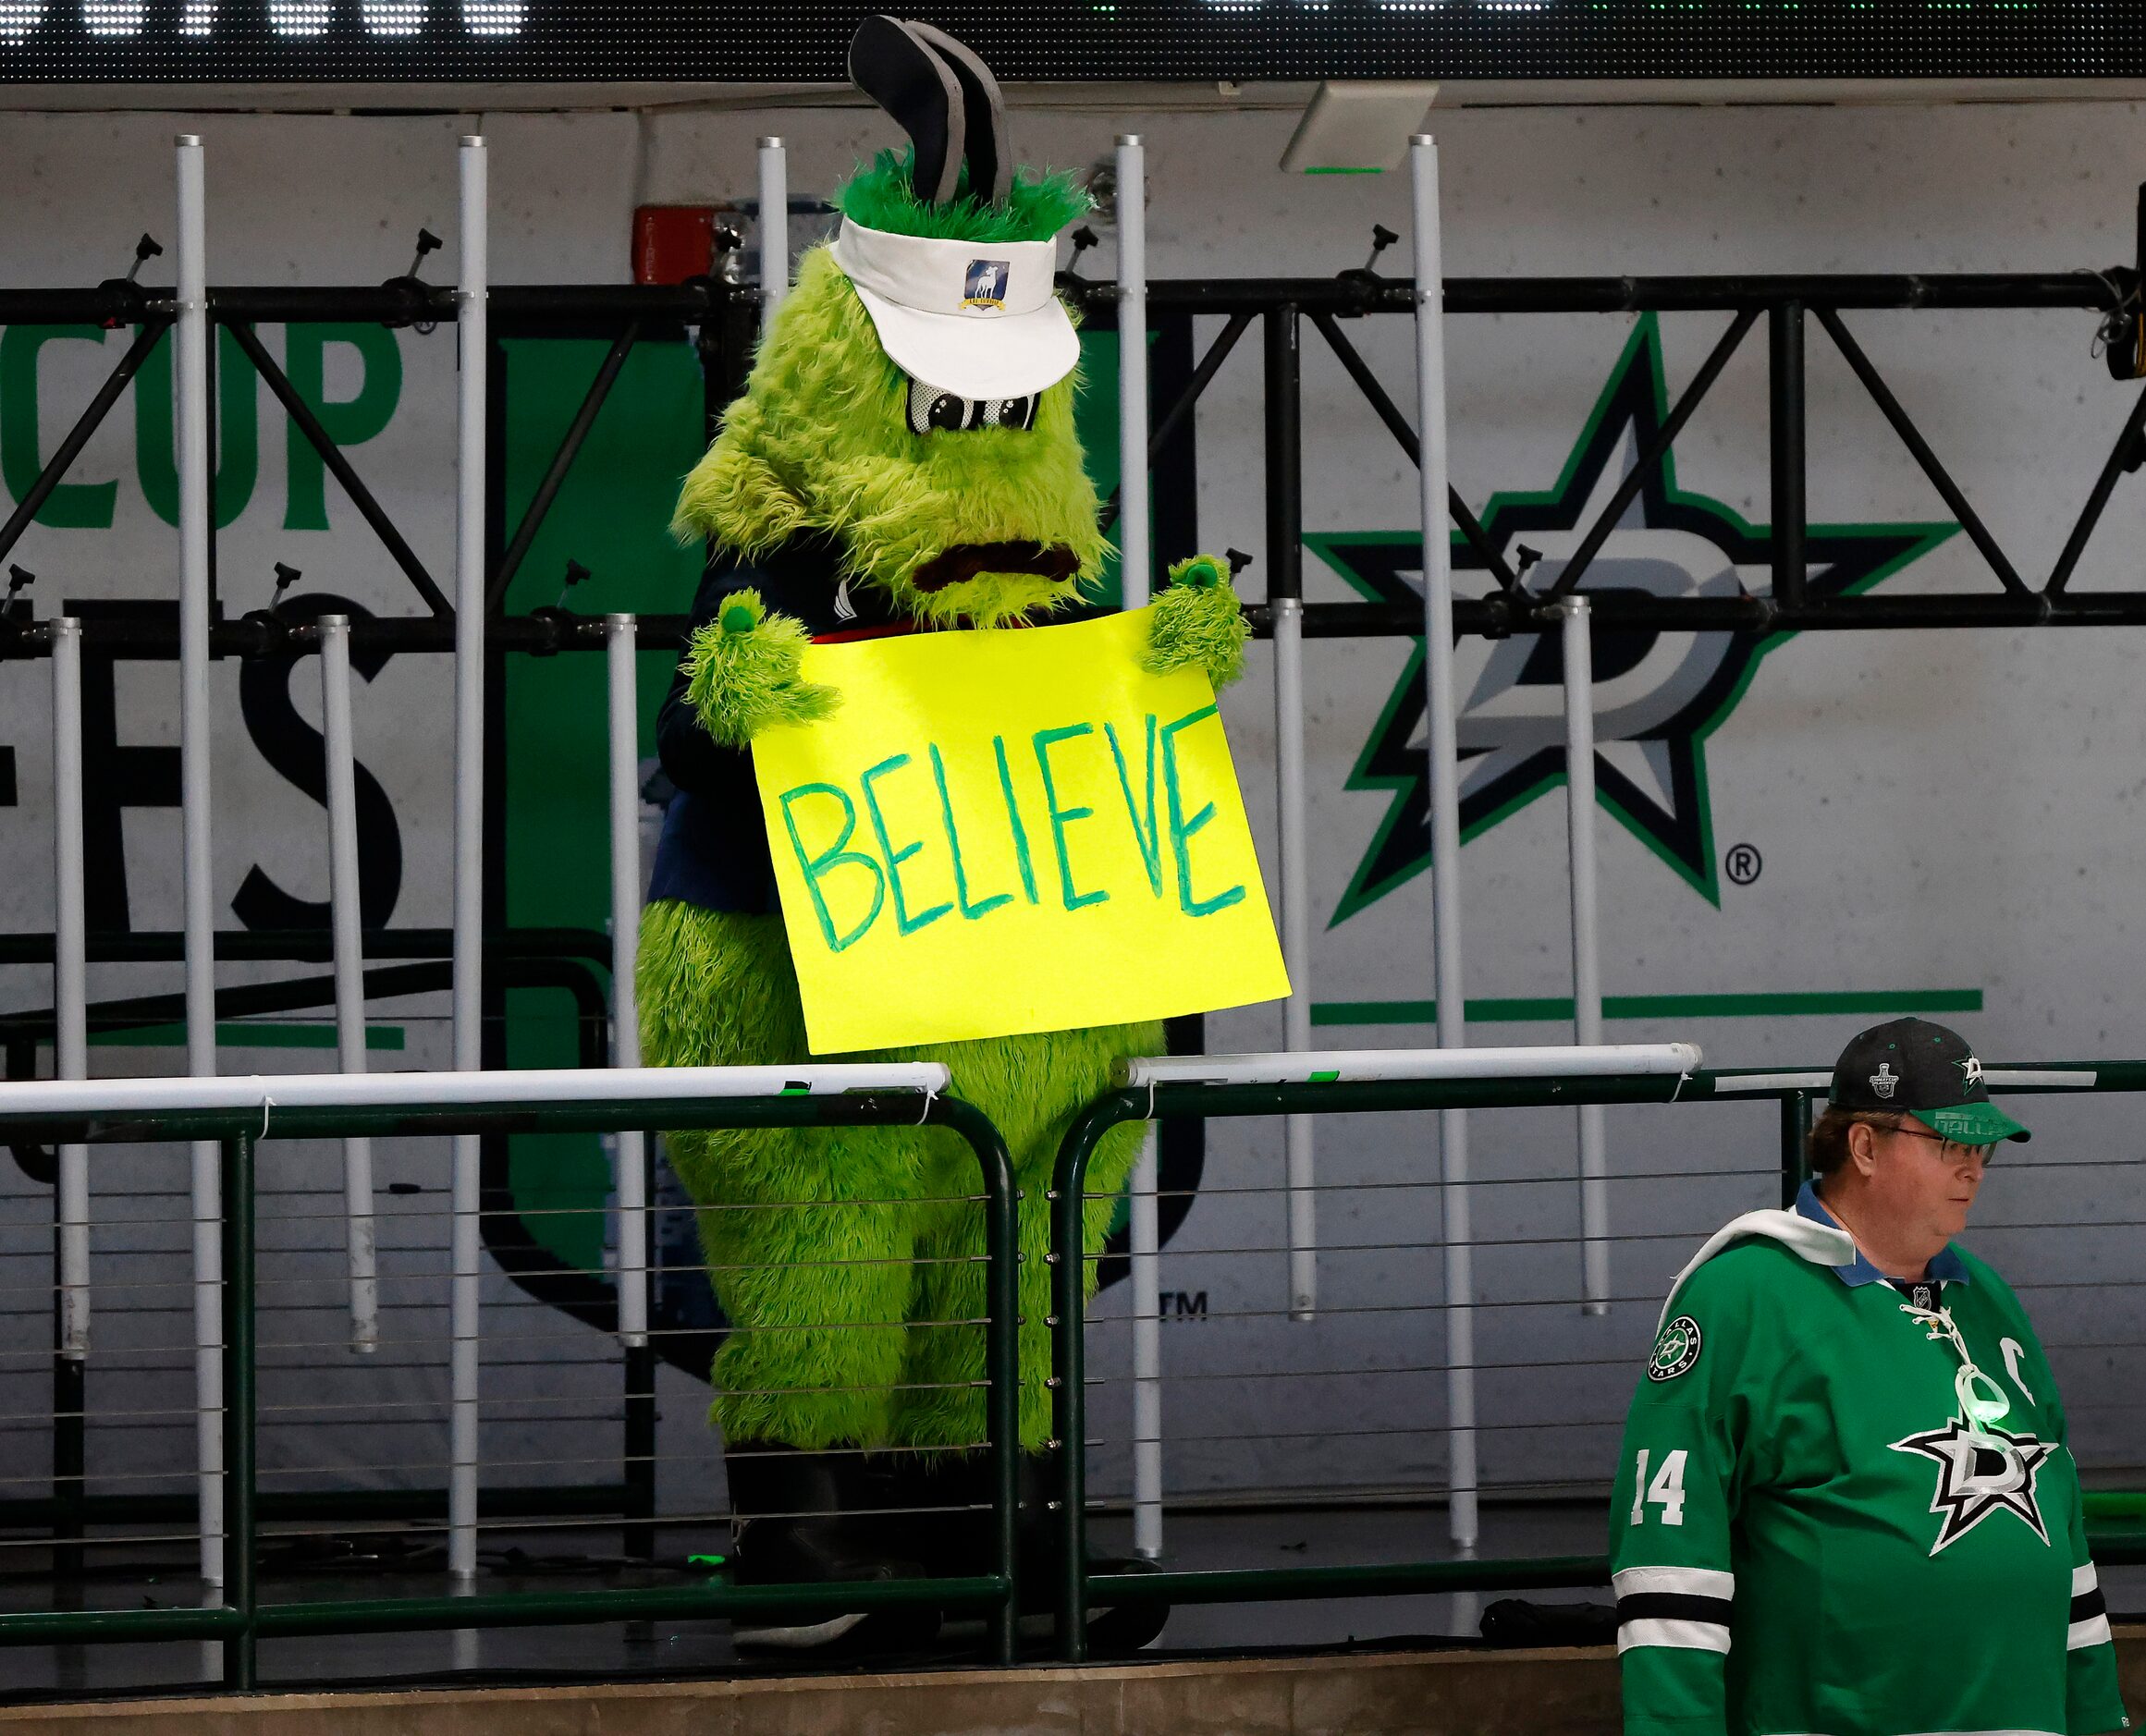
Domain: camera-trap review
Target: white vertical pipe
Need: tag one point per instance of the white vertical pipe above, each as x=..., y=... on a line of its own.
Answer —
x=468, y=915
x=1586, y=951
x=1442, y=708
x=1146, y=1231
x=1296, y=1129
x=344, y=916
x=630, y=1147
x=1136, y=570
x=70, y=974
x=1136, y=561
x=773, y=227
x=195, y=750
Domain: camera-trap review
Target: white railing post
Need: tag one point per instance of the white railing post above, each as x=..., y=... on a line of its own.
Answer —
x=1586, y=952
x=1290, y=803
x=70, y=995
x=1442, y=711
x=1136, y=581
x=773, y=227
x=469, y=907
x=193, y=389
x=346, y=923
x=631, y=1147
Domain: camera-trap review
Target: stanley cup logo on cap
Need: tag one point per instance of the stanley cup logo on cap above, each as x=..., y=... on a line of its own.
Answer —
x=985, y=284
x=1912, y=1064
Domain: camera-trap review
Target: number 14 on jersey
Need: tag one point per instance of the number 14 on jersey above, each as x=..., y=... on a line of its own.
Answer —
x=1666, y=1491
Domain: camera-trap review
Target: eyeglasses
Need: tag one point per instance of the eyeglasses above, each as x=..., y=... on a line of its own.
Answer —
x=1953, y=1151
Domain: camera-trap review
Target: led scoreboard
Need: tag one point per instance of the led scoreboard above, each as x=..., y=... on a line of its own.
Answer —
x=733, y=40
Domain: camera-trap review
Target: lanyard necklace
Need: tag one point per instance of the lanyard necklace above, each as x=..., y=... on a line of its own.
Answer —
x=1982, y=1401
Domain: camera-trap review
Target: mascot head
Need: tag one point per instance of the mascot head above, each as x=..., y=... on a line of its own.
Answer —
x=912, y=400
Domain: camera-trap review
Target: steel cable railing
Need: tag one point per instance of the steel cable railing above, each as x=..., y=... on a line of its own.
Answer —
x=235, y=1114
x=140, y=1510
x=1286, y=1090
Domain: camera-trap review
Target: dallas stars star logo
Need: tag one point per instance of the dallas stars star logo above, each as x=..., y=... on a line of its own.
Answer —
x=1658, y=696
x=1981, y=1474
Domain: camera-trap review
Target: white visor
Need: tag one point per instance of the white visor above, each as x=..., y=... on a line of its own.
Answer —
x=978, y=319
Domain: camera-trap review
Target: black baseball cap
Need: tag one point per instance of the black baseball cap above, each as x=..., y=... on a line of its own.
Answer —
x=1912, y=1065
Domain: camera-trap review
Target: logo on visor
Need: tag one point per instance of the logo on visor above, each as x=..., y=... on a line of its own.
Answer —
x=985, y=284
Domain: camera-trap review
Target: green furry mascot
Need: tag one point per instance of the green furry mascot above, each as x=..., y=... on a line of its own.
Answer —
x=903, y=459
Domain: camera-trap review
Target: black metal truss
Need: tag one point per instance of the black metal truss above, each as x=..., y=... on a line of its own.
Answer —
x=723, y=316
x=1786, y=303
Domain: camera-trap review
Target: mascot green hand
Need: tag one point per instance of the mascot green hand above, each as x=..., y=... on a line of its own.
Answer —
x=903, y=459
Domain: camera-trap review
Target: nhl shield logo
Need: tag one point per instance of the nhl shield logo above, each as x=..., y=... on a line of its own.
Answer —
x=985, y=286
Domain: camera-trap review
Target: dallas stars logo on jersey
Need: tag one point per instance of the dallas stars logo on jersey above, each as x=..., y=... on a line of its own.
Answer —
x=1980, y=1473
x=1675, y=1349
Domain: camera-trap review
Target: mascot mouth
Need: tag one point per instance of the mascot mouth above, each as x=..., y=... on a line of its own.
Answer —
x=965, y=560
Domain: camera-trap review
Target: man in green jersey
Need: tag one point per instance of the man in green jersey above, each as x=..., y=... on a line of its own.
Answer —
x=1845, y=1505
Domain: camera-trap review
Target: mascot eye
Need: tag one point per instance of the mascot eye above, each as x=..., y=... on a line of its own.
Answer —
x=1009, y=412
x=934, y=411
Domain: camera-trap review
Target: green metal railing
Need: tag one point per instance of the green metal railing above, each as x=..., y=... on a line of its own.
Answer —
x=241, y=1620
x=1078, y=1590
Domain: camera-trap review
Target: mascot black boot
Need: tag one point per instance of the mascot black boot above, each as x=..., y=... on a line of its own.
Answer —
x=939, y=1510
x=813, y=1519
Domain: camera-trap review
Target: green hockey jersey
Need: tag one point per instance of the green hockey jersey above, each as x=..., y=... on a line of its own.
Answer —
x=1822, y=1528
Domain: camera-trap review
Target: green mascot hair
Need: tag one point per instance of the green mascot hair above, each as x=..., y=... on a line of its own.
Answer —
x=878, y=196
x=820, y=441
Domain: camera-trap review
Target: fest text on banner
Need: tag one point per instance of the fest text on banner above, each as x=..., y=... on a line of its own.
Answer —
x=999, y=832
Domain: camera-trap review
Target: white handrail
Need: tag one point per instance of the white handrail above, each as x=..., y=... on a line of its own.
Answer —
x=1363, y=1066
x=1758, y=1084
x=269, y=1092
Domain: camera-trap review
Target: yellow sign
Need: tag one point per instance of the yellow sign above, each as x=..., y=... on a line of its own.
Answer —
x=1009, y=831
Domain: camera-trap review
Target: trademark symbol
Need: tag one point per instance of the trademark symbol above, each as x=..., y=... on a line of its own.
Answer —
x=1743, y=863
x=1184, y=1305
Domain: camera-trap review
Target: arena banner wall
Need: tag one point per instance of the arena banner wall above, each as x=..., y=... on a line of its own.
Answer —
x=1800, y=836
